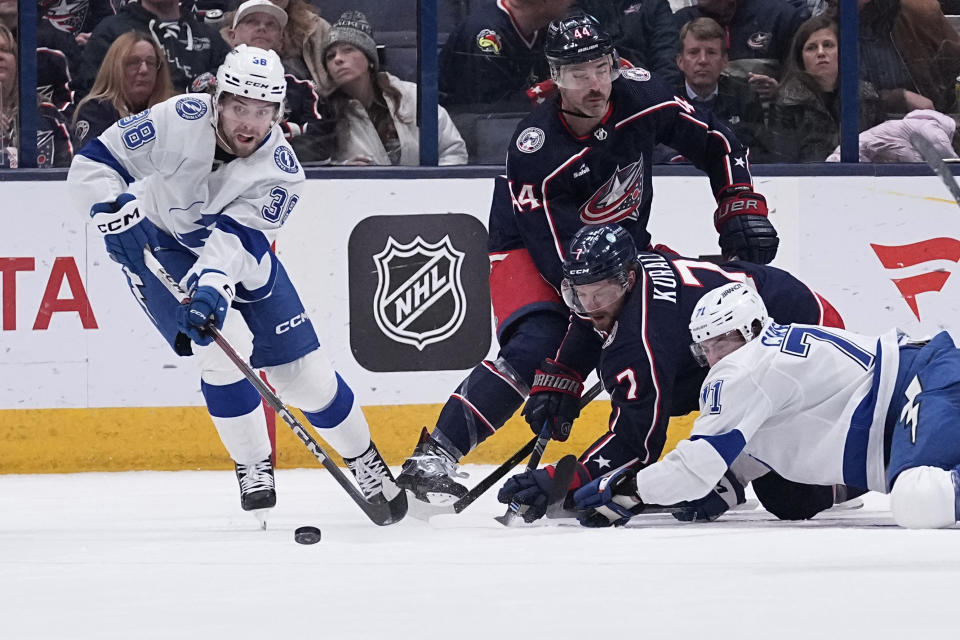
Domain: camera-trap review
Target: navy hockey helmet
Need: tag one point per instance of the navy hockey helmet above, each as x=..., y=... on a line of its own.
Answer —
x=597, y=254
x=577, y=38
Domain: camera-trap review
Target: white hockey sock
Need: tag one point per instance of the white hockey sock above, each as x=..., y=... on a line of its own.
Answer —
x=245, y=437
x=352, y=436
x=924, y=498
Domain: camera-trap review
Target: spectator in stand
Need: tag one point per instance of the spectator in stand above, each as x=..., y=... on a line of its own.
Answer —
x=75, y=17
x=702, y=59
x=759, y=33
x=491, y=60
x=643, y=31
x=53, y=139
x=890, y=141
x=302, y=47
x=805, y=118
x=910, y=53
x=374, y=111
x=191, y=47
x=307, y=122
x=134, y=76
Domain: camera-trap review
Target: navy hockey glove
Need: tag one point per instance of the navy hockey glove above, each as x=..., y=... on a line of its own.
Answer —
x=609, y=500
x=126, y=231
x=727, y=494
x=742, y=221
x=209, y=300
x=531, y=489
x=554, y=398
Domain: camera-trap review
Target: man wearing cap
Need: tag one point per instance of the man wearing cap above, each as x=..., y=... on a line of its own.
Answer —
x=307, y=123
x=192, y=47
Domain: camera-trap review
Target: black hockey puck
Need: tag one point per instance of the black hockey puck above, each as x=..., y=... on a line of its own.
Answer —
x=307, y=535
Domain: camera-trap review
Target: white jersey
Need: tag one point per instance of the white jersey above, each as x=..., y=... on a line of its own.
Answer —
x=165, y=156
x=808, y=402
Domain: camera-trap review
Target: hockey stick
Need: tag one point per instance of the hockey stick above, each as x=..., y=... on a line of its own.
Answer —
x=513, y=509
x=935, y=161
x=380, y=513
x=524, y=451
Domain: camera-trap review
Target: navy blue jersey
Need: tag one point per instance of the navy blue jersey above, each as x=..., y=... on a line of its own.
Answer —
x=646, y=363
x=561, y=182
x=488, y=63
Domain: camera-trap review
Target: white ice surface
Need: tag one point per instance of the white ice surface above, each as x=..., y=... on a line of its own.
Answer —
x=170, y=555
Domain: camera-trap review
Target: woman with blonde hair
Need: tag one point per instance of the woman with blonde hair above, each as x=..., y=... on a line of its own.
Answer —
x=133, y=76
x=375, y=112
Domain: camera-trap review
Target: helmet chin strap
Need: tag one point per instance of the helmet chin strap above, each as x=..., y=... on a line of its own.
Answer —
x=576, y=114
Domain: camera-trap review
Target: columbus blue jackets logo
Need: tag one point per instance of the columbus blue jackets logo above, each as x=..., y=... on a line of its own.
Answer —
x=191, y=108
x=760, y=41
x=285, y=159
x=405, y=309
x=489, y=41
x=618, y=198
x=635, y=73
x=530, y=139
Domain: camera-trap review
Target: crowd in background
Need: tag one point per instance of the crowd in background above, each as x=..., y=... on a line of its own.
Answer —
x=770, y=68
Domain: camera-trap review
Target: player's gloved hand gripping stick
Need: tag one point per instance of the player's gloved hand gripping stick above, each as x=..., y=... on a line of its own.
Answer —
x=540, y=443
x=380, y=513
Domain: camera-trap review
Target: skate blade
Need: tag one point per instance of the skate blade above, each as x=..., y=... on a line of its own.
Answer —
x=261, y=516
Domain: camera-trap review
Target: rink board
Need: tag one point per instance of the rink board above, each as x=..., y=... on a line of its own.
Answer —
x=86, y=383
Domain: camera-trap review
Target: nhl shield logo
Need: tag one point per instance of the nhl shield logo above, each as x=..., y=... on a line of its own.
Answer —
x=420, y=298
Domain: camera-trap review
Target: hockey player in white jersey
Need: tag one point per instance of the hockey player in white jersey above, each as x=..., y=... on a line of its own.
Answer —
x=816, y=405
x=206, y=182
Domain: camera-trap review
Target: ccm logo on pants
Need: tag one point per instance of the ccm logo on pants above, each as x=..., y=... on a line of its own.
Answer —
x=292, y=323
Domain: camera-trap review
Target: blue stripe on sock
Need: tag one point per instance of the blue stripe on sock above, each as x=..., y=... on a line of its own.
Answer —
x=232, y=400
x=337, y=411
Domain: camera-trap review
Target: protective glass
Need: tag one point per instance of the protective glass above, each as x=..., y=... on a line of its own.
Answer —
x=587, y=75
x=587, y=298
x=716, y=347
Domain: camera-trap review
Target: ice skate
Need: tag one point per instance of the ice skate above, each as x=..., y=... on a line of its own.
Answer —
x=374, y=477
x=257, y=489
x=429, y=473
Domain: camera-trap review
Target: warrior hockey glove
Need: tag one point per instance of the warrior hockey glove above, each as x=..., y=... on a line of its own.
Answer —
x=745, y=230
x=210, y=297
x=727, y=494
x=531, y=489
x=609, y=500
x=126, y=231
x=554, y=399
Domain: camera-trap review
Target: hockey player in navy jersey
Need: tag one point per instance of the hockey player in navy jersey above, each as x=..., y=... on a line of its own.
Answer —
x=629, y=320
x=583, y=158
x=207, y=182
x=816, y=405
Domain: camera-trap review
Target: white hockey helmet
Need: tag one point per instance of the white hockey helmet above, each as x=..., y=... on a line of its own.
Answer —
x=734, y=307
x=252, y=72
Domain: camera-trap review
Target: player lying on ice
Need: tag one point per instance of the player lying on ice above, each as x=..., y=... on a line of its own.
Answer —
x=206, y=182
x=816, y=405
x=630, y=311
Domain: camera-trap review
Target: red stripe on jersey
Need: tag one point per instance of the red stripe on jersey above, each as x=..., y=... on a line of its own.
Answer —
x=474, y=410
x=546, y=198
x=653, y=372
x=648, y=110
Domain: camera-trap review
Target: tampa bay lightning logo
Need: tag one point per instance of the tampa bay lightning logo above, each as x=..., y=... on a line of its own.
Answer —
x=285, y=159
x=191, y=108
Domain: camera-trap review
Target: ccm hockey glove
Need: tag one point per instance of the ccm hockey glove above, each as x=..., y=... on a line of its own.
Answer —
x=609, y=500
x=554, y=398
x=126, y=231
x=210, y=297
x=742, y=221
